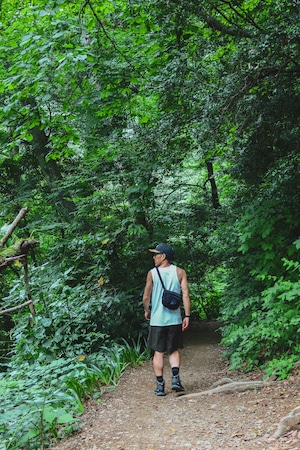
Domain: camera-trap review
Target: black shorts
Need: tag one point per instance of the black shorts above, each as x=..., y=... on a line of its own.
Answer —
x=165, y=339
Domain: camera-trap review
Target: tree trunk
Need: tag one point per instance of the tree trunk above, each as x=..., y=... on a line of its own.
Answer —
x=212, y=181
x=50, y=168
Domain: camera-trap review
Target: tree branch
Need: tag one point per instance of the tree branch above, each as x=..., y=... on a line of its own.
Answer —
x=246, y=15
x=89, y=3
x=216, y=25
x=9, y=232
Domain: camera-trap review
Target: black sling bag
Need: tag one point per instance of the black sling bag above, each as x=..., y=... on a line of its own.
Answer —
x=170, y=299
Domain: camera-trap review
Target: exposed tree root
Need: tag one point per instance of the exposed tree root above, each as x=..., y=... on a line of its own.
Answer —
x=287, y=423
x=228, y=387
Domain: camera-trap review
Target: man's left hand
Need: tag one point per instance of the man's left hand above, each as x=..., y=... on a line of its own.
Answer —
x=185, y=323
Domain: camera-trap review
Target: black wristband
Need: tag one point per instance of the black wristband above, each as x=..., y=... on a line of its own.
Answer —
x=187, y=316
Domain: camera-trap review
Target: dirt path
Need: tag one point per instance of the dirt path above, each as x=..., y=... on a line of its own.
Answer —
x=131, y=417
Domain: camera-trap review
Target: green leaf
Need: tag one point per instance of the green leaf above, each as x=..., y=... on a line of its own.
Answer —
x=49, y=415
x=65, y=418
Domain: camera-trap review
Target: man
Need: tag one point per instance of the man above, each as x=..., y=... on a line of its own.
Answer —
x=166, y=326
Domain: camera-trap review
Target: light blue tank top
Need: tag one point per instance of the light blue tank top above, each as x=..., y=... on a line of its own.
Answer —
x=161, y=316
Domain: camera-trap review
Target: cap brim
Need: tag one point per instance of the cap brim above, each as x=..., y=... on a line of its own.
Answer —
x=153, y=250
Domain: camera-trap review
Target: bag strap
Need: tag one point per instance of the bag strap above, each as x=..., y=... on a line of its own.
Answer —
x=160, y=278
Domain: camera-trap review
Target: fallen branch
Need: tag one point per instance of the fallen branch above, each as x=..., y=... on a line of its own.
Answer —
x=13, y=225
x=17, y=251
x=11, y=260
x=235, y=386
x=15, y=308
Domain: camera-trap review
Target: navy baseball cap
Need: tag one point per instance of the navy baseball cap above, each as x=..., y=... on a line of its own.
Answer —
x=163, y=248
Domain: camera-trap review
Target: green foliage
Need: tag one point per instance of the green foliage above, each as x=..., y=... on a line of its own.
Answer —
x=72, y=320
x=34, y=408
x=43, y=401
x=282, y=366
x=270, y=331
x=112, y=113
x=206, y=296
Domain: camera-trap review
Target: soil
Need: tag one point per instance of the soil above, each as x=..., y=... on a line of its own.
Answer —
x=131, y=417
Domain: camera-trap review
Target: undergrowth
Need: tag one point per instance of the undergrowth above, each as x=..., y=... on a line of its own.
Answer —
x=42, y=402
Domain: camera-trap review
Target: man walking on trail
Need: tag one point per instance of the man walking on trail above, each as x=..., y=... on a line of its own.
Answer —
x=166, y=325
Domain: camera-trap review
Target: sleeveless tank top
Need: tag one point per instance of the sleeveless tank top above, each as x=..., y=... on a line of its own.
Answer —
x=161, y=316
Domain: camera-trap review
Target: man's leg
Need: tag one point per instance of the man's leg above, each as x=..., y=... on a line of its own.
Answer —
x=174, y=360
x=158, y=363
x=158, y=366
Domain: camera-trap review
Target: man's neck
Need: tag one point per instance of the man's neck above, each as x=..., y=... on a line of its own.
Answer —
x=164, y=264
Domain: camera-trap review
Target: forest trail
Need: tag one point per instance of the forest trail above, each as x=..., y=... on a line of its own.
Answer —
x=131, y=417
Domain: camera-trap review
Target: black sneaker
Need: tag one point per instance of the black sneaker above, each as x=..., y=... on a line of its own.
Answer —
x=160, y=389
x=176, y=385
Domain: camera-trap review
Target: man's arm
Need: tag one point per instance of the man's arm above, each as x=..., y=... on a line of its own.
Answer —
x=185, y=297
x=147, y=295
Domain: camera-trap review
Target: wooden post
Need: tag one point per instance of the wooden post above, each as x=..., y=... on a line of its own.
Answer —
x=27, y=288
